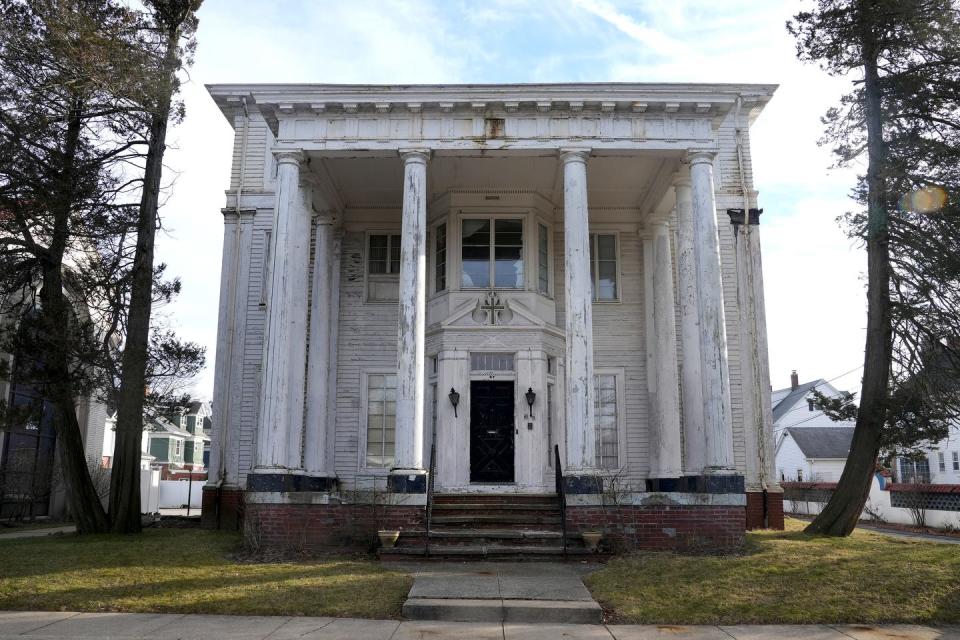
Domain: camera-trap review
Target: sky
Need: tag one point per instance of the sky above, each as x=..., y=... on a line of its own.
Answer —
x=813, y=274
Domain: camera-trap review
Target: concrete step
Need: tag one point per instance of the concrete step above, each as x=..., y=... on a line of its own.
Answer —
x=468, y=610
x=489, y=552
x=500, y=534
x=487, y=507
x=513, y=518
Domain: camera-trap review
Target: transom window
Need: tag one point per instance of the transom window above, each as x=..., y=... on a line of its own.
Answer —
x=603, y=265
x=491, y=361
x=492, y=253
x=381, y=420
x=606, y=418
x=383, y=254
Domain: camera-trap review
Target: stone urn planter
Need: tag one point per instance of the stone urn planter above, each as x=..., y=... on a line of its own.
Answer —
x=591, y=539
x=388, y=538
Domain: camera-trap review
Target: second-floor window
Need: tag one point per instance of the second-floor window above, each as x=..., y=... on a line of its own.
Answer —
x=492, y=253
x=603, y=265
x=383, y=255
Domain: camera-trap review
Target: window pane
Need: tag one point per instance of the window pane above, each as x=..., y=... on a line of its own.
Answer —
x=475, y=253
x=377, y=257
x=605, y=417
x=440, y=260
x=508, y=253
x=381, y=420
x=606, y=247
x=543, y=251
x=394, y=254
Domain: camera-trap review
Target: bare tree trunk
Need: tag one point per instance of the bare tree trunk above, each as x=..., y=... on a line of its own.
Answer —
x=842, y=513
x=125, y=481
x=82, y=498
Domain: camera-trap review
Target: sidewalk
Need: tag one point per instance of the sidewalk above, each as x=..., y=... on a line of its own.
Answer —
x=134, y=626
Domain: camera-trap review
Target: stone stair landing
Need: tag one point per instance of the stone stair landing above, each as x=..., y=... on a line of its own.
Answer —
x=490, y=526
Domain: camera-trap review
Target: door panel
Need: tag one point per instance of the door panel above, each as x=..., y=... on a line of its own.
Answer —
x=491, y=431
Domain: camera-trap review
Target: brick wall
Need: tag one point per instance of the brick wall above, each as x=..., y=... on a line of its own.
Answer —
x=312, y=528
x=755, y=511
x=221, y=508
x=681, y=528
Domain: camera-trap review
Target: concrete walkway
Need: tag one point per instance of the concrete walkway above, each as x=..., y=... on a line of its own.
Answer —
x=136, y=626
x=36, y=533
x=532, y=592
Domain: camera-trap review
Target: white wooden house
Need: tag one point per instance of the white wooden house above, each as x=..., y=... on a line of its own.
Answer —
x=510, y=276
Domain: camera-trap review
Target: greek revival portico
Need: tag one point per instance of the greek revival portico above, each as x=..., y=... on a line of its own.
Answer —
x=640, y=160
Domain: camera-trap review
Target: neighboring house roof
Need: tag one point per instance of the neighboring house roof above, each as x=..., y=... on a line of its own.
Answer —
x=165, y=427
x=790, y=397
x=822, y=442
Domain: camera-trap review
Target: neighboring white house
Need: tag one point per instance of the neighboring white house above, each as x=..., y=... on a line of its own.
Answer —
x=941, y=464
x=809, y=445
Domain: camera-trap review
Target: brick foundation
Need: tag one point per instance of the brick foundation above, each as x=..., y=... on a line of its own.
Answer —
x=755, y=511
x=222, y=508
x=310, y=528
x=680, y=528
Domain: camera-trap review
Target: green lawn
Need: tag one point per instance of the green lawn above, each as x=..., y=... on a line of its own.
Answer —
x=788, y=577
x=188, y=571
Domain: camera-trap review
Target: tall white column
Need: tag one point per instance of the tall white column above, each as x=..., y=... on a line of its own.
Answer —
x=718, y=428
x=581, y=430
x=665, y=452
x=280, y=427
x=412, y=315
x=334, y=350
x=754, y=368
x=225, y=332
x=319, y=364
x=694, y=438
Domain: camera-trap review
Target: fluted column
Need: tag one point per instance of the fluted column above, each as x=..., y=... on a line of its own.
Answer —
x=718, y=428
x=411, y=325
x=581, y=430
x=691, y=384
x=319, y=363
x=280, y=426
x=665, y=455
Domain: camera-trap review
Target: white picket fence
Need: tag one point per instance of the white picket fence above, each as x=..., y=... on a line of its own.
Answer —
x=173, y=493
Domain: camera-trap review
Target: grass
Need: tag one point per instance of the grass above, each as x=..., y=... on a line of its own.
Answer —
x=188, y=571
x=788, y=577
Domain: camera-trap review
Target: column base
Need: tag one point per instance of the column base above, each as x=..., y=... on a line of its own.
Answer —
x=764, y=510
x=583, y=484
x=407, y=481
x=222, y=507
x=705, y=483
x=289, y=482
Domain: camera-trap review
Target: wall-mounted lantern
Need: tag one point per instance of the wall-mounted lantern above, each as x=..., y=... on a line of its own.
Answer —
x=454, y=400
x=531, y=398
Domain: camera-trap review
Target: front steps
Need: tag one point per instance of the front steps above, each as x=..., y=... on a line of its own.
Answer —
x=491, y=527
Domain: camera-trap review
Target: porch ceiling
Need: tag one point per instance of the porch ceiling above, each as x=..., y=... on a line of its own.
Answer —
x=637, y=181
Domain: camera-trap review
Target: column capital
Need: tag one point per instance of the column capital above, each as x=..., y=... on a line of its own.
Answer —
x=418, y=156
x=700, y=157
x=574, y=154
x=288, y=156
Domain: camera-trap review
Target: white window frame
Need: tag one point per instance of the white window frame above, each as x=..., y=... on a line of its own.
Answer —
x=941, y=462
x=956, y=460
x=432, y=262
x=524, y=217
x=595, y=267
x=378, y=277
x=362, y=429
x=618, y=373
x=537, y=222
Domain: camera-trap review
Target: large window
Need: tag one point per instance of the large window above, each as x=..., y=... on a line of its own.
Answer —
x=440, y=259
x=383, y=255
x=492, y=253
x=956, y=461
x=606, y=420
x=543, y=257
x=913, y=472
x=603, y=265
x=381, y=419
